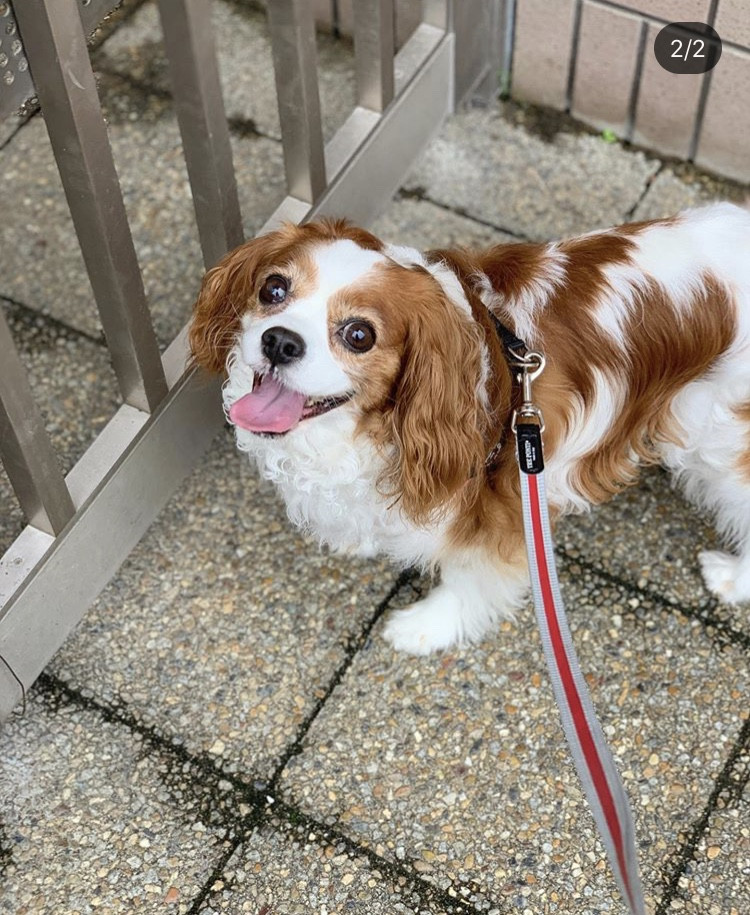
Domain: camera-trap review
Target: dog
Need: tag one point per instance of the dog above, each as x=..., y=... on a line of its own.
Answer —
x=371, y=385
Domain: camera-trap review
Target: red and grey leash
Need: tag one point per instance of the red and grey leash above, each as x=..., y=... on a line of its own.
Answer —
x=588, y=746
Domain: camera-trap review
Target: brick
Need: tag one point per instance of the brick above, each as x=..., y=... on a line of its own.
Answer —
x=606, y=67
x=724, y=144
x=541, y=53
x=733, y=21
x=667, y=105
x=673, y=10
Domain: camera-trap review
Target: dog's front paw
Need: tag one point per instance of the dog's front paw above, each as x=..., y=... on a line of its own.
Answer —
x=423, y=628
x=726, y=576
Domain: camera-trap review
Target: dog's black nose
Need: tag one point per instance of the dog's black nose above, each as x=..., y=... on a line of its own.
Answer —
x=281, y=346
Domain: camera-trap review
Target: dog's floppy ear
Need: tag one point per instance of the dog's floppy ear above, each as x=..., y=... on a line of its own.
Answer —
x=438, y=418
x=224, y=297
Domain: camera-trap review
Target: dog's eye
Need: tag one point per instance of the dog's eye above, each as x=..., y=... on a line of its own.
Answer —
x=358, y=336
x=274, y=290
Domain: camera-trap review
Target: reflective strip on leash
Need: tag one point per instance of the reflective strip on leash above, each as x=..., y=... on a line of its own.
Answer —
x=593, y=759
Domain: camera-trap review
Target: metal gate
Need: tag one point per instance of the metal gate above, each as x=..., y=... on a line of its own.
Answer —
x=82, y=526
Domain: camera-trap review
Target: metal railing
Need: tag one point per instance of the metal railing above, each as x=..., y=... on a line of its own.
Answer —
x=82, y=526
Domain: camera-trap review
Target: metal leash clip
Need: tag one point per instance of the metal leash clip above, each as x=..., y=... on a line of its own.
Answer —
x=531, y=366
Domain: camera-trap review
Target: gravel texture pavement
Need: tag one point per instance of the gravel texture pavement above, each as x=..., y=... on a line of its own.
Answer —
x=226, y=731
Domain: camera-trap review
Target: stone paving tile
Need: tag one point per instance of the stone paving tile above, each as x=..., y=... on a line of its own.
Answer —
x=457, y=764
x=93, y=821
x=713, y=874
x=671, y=192
x=225, y=625
x=294, y=875
x=245, y=63
x=42, y=263
x=74, y=386
x=423, y=225
x=649, y=535
x=516, y=180
x=718, y=881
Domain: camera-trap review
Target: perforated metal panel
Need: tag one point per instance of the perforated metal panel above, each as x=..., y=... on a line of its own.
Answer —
x=15, y=80
x=16, y=85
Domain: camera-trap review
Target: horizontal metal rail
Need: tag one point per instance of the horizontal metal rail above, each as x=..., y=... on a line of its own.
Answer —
x=139, y=459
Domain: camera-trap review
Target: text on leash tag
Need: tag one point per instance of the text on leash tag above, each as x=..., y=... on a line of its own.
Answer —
x=529, y=440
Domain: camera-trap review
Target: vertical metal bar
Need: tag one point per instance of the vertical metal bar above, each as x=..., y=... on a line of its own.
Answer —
x=203, y=125
x=25, y=448
x=374, y=50
x=508, y=20
x=635, y=88
x=703, y=97
x=573, y=62
x=292, y=30
x=56, y=47
x=499, y=23
x=476, y=25
x=438, y=13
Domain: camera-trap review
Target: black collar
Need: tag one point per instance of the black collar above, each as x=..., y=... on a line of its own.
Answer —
x=514, y=346
x=514, y=350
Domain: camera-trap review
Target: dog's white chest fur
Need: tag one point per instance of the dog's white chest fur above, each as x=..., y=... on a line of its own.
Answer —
x=328, y=479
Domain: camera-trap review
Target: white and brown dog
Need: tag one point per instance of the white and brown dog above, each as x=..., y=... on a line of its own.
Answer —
x=370, y=384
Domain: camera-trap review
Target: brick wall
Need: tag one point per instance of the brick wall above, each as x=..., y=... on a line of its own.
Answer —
x=594, y=58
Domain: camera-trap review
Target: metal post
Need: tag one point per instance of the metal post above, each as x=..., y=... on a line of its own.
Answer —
x=295, y=66
x=438, y=13
x=478, y=26
x=373, y=47
x=25, y=448
x=205, y=135
x=56, y=47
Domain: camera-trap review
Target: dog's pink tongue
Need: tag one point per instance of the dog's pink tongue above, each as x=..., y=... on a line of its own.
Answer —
x=269, y=408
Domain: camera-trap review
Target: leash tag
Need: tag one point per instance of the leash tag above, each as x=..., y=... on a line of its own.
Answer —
x=529, y=442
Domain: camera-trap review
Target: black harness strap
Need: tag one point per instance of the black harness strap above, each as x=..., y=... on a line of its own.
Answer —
x=514, y=349
x=513, y=345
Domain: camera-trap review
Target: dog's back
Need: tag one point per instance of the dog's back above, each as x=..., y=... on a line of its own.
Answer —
x=646, y=330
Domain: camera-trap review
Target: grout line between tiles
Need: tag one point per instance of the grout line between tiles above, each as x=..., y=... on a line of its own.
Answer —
x=419, y=193
x=353, y=647
x=216, y=874
x=29, y=313
x=21, y=124
x=644, y=193
x=687, y=851
x=719, y=631
x=201, y=771
x=266, y=806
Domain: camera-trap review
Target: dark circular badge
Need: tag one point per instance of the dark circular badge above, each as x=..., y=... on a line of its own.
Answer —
x=688, y=47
